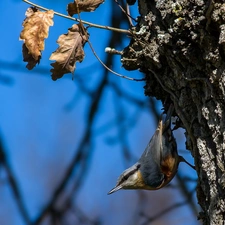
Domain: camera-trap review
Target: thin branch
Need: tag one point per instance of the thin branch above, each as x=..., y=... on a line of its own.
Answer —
x=117, y=74
x=78, y=20
x=113, y=51
x=126, y=13
x=92, y=25
x=93, y=51
x=129, y=18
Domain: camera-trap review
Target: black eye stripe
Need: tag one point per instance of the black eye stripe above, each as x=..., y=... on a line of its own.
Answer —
x=126, y=175
x=123, y=178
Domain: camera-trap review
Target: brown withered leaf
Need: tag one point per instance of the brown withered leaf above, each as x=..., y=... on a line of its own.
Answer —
x=31, y=62
x=36, y=28
x=69, y=51
x=83, y=6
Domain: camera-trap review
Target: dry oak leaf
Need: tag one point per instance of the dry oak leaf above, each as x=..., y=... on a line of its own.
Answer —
x=69, y=51
x=83, y=6
x=36, y=28
x=31, y=62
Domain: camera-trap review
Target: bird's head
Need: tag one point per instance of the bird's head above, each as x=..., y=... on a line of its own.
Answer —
x=131, y=178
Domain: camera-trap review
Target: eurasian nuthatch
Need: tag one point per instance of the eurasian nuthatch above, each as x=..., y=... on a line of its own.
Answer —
x=157, y=165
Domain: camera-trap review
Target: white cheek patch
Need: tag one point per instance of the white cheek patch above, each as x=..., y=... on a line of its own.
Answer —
x=134, y=177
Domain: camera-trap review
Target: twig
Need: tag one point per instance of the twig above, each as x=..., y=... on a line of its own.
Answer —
x=91, y=25
x=113, y=51
x=130, y=18
x=117, y=74
x=78, y=20
x=92, y=49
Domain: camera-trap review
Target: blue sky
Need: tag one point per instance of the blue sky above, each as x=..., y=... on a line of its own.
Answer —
x=42, y=123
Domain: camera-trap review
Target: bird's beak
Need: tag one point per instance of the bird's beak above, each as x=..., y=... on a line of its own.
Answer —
x=117, y=188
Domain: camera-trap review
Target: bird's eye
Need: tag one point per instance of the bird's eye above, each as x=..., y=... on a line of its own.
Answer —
x=124, y=178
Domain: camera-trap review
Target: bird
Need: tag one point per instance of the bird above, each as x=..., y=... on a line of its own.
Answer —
x=159, y=162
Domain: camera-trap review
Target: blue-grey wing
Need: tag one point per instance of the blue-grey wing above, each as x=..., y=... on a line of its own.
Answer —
x=153, y=151
x=150, y=160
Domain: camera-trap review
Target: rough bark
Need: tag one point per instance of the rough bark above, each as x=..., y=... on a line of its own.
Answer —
x=180, y=47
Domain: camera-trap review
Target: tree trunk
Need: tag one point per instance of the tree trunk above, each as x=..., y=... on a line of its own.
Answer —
x=180, y=47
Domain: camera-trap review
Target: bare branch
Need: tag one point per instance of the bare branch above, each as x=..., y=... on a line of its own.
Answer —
x=115, y=73
x=78, y=20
